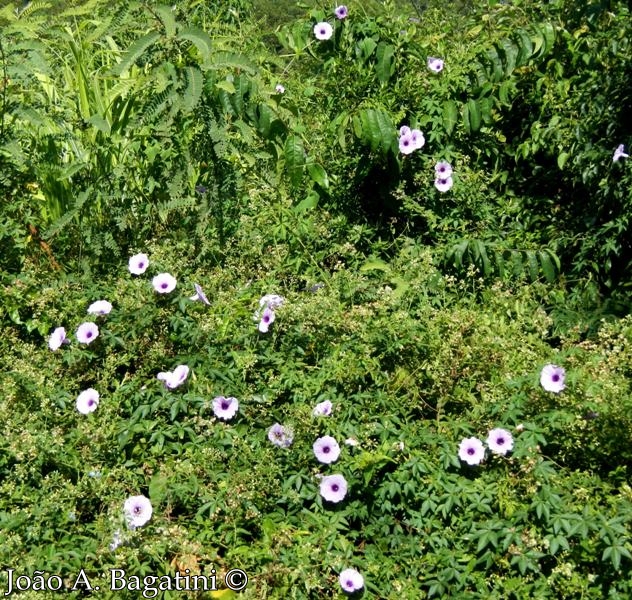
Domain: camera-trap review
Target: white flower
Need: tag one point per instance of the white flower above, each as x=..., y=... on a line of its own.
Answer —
x=138, y=264
x=326, y=450
x=164, y=283
x=443, y=169
x=500, y=441
x=279, y=89
x=100, y=307
x=57, y=338
x=271, y=301
x=471, y=451
x=267, y=318
x=352, y=442
x=323, y=409
x=87, y=332
x=406, y=143
x=552, y=378
x=225, y=408
x=87, y=401
x=619, y=153
x=175, y=378
x=333, y=488
x=435, y=64
x=323, y=30
x=138, y=511
x=351, y=581
x=443, y=184
x=199, y=295
x=418, y=139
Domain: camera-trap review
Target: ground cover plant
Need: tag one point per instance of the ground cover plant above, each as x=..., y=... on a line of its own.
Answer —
x=316, y=296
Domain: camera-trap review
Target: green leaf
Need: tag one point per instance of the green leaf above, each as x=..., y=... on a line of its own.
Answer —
x=375, y=264
x=472, y=116
x=165, y=14
x=158, y=487
x=294, y=153
x=450, y=115
x=135, y=51
x=318, y=175
x=199, y=38
x=561, y=159
x=385, y=62
x=193, y=91
x=311, y=201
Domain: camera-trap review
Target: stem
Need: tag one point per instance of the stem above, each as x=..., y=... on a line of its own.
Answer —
x=5, y=85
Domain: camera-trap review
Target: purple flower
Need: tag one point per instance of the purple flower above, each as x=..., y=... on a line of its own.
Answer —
x=418, y=139
x=100, y=307
x=323, y=409
x=443, y=169
x=351, y=581
x=225, y=408
x=271, y=301
x=87, y=401
x=341, y=12
x=57, y=338
x=619, y=153
x=280, y=436
x=164, y=283
x=333, y=488
x=435, y=64
x=138, y=264
x=138, y=511
x=404, y=130
x=199, y=295
x=175, y=378
x=279, y=89
x=500, y=441
x=471, y=451
x=406, y=143
x=552, y=378
x=326, y=450
x=87, y=332
x=267, y=318
x=443, y=184
x=323, y=30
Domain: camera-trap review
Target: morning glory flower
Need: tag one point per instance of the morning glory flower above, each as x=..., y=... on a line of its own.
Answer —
x=326, y=450
x=100, y=307
x=87, y=332
x=87, y=401
x=333, y=488
x=619, y=153
x=443, y=184
x=116, y=540
x=404, y=130
x=552, y=378
x=352, y=442
x=280, y=436
x=225, y=408
x=175, y=378
x=435, y=64
x=57, y=338
x=323, y=409
x=323, y=30
x=164, y=283
x=138, y=264
x=351, y=581
x=407, y=143
x=418, y=138
x=267, y=318
x=279, y=89
x=138, y=511
x=500, y=441
x=443, y=169
x=471, y=451
x=271, y=301
x=199, y=295
x=341, y=12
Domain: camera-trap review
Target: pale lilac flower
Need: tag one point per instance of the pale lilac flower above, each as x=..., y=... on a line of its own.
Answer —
x=175, y=378
x=404, y=130
x=500, y=441
x=280, y=436
x=443, y=184
x=87, y=332
x=138, y=511
x=57, y=338
x=435, y=64
x=116, y=540
x=199, y=295
x=164, y=283
x=323, y=409
x=406, y=143
x=552, y=378
x=225, y=408
x=100, y=307
x=333, y=488
x=351, y=581
x=341, y=12
x=326, y=450
x=271, y=301
x=443, y=169
x=267, y=318
x=87, y=401
x=352, y=442
x=471, y=450
x=418, y=139
x=619, y=153
x=138, y=264
x=279, y=89
x=323, y=30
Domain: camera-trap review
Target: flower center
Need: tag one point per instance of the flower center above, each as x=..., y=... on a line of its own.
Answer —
x=89, y=334
x=335, y=487
x=470, y=451
x=163, y=286
x=138, y=510
x=225, y=405
x=555, y=377
x=326, y=449
x=91, y=402
x=500, y=441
